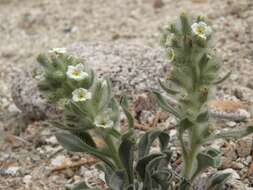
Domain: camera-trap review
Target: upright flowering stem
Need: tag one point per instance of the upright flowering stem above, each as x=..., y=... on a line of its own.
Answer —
x=194, y=73
x=189, y=82
x=91, y=111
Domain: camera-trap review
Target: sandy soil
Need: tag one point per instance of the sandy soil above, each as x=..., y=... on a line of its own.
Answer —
x=29, y=27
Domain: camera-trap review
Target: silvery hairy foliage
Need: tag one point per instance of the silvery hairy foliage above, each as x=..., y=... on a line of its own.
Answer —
x=91, y=122
x=195, y=73
x=91, y=125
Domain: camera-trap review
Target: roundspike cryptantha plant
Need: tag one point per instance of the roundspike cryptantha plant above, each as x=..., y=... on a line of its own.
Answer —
x=91, y=125
x=91, y=113
x=194, y=73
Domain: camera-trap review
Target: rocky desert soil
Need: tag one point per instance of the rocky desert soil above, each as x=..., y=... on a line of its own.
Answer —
x=30, y=157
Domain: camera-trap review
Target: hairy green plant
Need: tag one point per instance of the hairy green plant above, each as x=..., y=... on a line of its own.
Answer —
x=194, y=73
x=150, y=172
x=91, y=113
x=62, y=74
x=91, y=122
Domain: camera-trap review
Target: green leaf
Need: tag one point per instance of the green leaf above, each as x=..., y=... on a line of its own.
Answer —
x=185, y=124
x=195, y=76
x=149, y=182
x=86, y=137
x=81, y=109
x=106, y=170
x=204, y=161
x=75, y=144
x=209, y=158
x=147, y=140
x=126, y=154
x=203, y=117
x=166, y=88
x=132, y=187
x=232, y=134
x=113, y=132
x=117, y=180
x=217, y=181
x=223, y=78
x=165, y=106
x=143, y=162
x=186, y=29
x=163, y=177
x=115, y=111
x=43, y=60
x=101, y=95
x=200, y=18
x=124, y=105
x=66, y=127
x=184, y=185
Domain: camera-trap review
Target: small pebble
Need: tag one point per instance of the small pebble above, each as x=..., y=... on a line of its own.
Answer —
x=27, y=179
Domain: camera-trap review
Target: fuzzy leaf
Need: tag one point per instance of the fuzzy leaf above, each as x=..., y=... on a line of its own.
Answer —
x=75, y=144
x=217, y=181
x=81, y=109
x=143, y=162
x=232, y=134
x=204, y=161
x=163, y=177
x=97, y=97
x=117, y=180
x=147, y=140
x=184, y=125
x=186, y=29
x=124, y=105
x=223, y=78
x=209, y=158
x=127, y=158
x=86, y=137
x=203, y=117
x=106, y=170
x=167, y=89
x=184, y=185
x=115, y=111
x=66, y=127
x=165, y=106
x=43, y=60
x=113, y=132
x=149, y=182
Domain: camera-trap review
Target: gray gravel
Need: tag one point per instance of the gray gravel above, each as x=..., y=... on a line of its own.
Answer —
x=30, y=27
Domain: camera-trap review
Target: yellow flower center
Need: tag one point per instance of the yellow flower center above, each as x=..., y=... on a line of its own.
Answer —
x=76, y=73
x=200, y=30
x=81, y=95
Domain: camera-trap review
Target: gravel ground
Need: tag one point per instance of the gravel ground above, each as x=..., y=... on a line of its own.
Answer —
x=29, y=27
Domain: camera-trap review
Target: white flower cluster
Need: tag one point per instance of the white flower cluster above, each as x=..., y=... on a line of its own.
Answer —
x=201, y=29
x=77, y=72
x=103, y=121
x=58, y=50
x=80, y=95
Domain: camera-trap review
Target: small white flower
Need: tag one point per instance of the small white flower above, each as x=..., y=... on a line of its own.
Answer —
x=201, y=29
x=80, y=95
x=58, y=50
x=103, y=121
x=76, y=72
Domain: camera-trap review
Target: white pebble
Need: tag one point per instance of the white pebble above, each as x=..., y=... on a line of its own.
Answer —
x=58, y=160
x=27, y=179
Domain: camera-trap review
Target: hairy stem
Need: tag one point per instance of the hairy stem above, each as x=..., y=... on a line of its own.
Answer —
x=113, y=150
